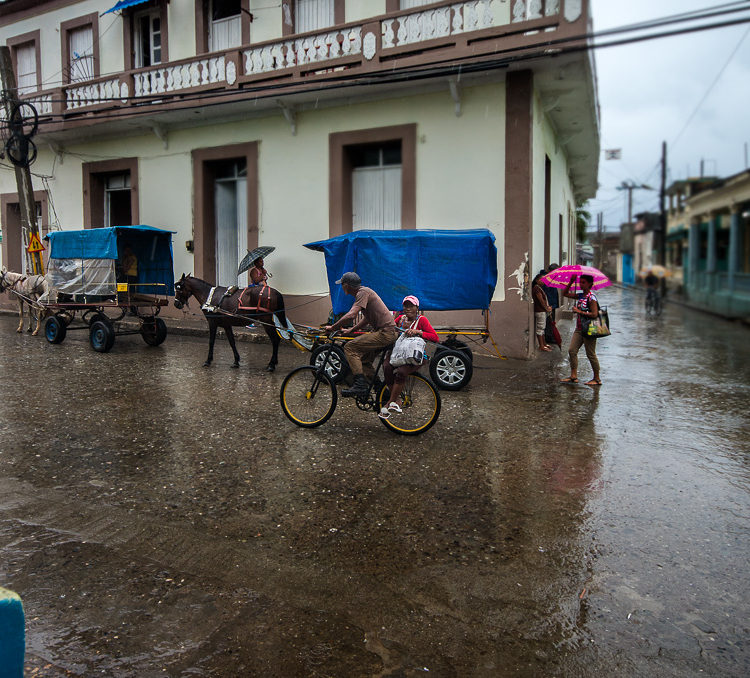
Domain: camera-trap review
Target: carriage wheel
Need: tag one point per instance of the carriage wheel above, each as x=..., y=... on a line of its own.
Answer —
x=420, y=406
x=154, y=331
x=457, y=345
x=450, y=370
x=337, y=367
x=101, y=336
x=55, y=329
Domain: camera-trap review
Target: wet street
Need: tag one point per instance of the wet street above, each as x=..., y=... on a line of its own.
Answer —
x=159, y=518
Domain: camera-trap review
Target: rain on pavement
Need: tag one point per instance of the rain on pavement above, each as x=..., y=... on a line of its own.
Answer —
x=161, y=518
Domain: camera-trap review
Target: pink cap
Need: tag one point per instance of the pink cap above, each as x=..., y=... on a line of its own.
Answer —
x=412, y=299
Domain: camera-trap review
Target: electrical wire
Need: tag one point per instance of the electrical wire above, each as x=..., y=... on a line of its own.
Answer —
x=710, y=88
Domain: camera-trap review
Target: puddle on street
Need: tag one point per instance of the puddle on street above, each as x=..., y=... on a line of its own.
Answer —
x=159, y=518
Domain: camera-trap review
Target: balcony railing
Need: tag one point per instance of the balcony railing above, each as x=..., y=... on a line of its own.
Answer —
x=469, y=28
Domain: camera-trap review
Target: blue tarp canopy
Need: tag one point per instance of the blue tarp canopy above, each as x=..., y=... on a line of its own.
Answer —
x=123, y=4
x=152, y=246
x=446, y=269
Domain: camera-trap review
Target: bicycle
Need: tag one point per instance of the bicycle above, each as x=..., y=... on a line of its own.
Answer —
x=309, y=396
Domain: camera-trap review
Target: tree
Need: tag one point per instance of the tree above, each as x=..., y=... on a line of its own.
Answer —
x=583, y=220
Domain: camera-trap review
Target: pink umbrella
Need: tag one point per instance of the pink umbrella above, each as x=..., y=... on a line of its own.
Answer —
x=561, y=276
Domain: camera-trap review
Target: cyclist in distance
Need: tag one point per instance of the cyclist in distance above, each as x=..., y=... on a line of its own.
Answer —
x=652, y=290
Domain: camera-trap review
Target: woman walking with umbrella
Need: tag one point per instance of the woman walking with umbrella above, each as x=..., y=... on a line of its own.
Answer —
x=586, y=306
x=579, y=282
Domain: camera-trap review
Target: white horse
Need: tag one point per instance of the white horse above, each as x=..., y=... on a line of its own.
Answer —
x=27, y=290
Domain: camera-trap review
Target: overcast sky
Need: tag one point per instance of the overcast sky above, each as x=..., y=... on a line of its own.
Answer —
x=647, y=93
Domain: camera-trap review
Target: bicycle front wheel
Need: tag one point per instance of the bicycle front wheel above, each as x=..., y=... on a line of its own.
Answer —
x=420, y=404
x=308, y=396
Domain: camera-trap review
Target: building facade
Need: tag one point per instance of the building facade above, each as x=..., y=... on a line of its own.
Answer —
x=708, y=243
x=239, y=123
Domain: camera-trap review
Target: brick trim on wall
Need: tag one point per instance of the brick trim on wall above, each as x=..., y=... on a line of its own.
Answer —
x=65, y=28
x=128, y=30
x=519, y=133
x=93, y=189
x=204, y=227
x=12, y=236
x=25, y=39
x=340, y=173
x=288, y=15
x=202, y=22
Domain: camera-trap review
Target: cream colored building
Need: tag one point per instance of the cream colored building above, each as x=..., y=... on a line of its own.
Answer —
x=243, y=122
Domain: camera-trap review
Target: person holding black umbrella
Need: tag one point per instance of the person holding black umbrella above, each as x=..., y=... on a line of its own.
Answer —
x=258, y=274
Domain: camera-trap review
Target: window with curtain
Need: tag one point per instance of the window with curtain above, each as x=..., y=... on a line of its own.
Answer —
x=408, y=4
x=26, y=77
x=376, y=185
x=81, y=43
x=225, y=26
x=313, y=15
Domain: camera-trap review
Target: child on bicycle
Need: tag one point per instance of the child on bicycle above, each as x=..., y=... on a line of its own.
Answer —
x=415, y=325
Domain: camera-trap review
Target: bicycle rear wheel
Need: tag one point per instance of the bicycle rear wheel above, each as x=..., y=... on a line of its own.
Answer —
x=420, y=403
x=308, y=396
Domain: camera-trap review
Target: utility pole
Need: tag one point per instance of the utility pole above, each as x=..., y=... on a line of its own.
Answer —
x=599, y=235
x=663, y=206
x=23, y=174
x=630, y=186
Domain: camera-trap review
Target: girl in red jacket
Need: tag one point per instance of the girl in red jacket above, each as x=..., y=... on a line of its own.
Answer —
x=416, y=326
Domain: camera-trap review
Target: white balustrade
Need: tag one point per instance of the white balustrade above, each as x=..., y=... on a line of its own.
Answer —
x=165, y=78
x=306, y=50
x=406, y=29
x=460, y=17
x=42, y=103
x=92, y=94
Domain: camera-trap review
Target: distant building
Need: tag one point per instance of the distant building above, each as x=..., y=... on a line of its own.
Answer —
x=625, y=269
x=646, y=241
x=606, y=250
x=708, y=243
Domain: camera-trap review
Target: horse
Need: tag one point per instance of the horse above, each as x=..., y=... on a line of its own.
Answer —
x=223, y=310
x=28, y=290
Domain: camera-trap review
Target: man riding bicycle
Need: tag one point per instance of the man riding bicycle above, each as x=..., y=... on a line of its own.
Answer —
x=361, y=350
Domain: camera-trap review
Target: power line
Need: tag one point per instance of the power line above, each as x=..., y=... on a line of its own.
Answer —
x=710, y=88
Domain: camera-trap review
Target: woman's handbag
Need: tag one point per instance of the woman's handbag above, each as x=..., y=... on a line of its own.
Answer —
x=599, y=326
x=408, y=350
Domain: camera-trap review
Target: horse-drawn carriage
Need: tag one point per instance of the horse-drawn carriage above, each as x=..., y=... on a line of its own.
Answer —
x=92, y=278
x=446, y=269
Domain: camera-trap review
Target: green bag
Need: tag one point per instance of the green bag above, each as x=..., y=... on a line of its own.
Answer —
x=598, y=327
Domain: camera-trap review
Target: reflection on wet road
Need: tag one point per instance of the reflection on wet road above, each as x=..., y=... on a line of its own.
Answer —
x=159, y=518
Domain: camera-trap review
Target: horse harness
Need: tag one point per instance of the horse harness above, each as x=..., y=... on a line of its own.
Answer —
x=262, y=306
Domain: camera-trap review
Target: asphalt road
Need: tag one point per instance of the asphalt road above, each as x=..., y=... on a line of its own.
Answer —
x=161, y=518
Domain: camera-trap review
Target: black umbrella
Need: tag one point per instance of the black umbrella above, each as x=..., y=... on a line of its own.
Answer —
x=250, y=257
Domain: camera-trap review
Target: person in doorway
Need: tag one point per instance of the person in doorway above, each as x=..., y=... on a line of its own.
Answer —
x=361, y=350
x=258, y=274
x=541, y=309
x=586, y=308
x=414, y=324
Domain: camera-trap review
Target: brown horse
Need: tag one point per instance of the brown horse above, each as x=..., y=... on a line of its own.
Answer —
x=27, y=290
x=225, y=311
